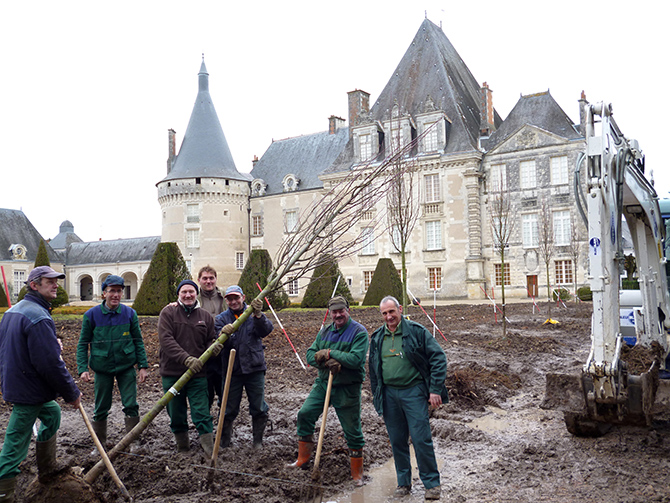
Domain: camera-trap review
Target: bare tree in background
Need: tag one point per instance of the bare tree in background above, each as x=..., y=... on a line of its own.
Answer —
x=574, y=248
x=545, y=234
x=502, y=226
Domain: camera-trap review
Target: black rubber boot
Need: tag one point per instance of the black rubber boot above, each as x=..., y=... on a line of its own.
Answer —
x=183, y=443
x=7, y=487
x=226, y=433
x=258, y=428
x=45, y=454
x=100, y=429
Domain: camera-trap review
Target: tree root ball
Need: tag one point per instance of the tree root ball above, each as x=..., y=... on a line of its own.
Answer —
x=65, y=487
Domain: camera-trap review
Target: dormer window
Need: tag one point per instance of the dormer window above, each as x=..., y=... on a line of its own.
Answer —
x=290, y=182
x=258, y=187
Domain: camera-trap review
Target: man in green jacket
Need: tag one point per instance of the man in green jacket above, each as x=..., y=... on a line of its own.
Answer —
x=408, y=369
x=111, y=344
x=340, y=349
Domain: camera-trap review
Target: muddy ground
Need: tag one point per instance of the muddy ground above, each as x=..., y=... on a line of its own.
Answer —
x=494, y=442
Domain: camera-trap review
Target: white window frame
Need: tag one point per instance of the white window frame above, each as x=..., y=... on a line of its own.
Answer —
x=365, y=146
x=563, y=272
x=497, y=177
x=192, y=238
x=292, y=287
x=290, y=221
x=430, y=138
x=192, y=213
x=256, y=225
x=527, y=174
x=530, y=230
x=561, y=226
x=367, y=279
x=368, y=241
x=434, y=278
x=433, y=235
x=559, y=170
x=19, y=282
x=431, y=185
x=498, y=271
x=239, y=260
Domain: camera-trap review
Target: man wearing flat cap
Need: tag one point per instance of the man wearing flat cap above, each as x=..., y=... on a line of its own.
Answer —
x=33, y=374
x=110, y=344
x=249, y=367
x=340, y=348
x=185, y=331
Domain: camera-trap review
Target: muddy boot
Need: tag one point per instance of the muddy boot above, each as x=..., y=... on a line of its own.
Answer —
x=258, y=427
x=226, y=433
x=305, y=445
x=7, y=487
x=131, y=422
x=45, y=454
x=183, y=444
x=100, y=429
x=356, y=460
x=207, y=444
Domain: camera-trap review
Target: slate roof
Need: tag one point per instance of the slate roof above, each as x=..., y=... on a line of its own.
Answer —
x=15, y=228
x=304, y=156
x=540, y=110
x=110, y=252
x=65, y=236
x=204, y=151
x=432, y=67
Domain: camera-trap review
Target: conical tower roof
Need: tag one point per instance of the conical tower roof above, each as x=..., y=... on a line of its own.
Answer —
x=431, y=67
x=204, y=151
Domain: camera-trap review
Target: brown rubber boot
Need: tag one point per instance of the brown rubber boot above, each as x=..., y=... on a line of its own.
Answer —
x=183, y=443
x=45, y=454
x=7, y=487
x=356, y=459
x=305, y=445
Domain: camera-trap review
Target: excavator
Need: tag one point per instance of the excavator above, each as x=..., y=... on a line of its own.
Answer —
x=606, y=393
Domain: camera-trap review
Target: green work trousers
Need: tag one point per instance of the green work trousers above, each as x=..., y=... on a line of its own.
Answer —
x=104, y=387
x=196, y=392
x=346, y=400
x=20, y=429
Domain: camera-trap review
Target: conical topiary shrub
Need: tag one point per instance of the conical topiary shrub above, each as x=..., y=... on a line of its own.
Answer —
x=323, y=281
x=385, y=281
x=257, y=270
x=159, y=286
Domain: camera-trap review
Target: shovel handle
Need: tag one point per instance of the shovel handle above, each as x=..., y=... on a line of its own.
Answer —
x=326, y=403
x=222, y=411
x=105, y=458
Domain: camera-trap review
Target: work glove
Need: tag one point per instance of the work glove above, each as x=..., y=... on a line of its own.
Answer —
x=321, y=356
x=228, y=329
x=257, y=305
x=334, y=366
x=194, y=364
x=216, y=348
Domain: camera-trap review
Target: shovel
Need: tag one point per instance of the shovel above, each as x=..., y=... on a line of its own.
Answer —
x=222, y=411
x=316, y=474
x=105, y=458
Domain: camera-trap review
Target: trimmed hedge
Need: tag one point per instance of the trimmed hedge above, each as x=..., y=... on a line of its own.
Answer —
x=584, y=293
x=257, y=270
x=3, y=297
x=323, y=281
x=159, y=286
x=385, y=281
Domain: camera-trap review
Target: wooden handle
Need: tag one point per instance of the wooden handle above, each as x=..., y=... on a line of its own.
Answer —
x=326, y=403
x=224, y=401
x=105, y=458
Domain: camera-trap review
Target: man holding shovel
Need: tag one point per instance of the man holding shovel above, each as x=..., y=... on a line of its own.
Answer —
x=407, y=373
x=33, y=375
x=340, y=348
x=111, y=333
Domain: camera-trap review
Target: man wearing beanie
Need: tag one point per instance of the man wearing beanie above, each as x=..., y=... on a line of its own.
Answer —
x=185, y=331
x=111, y=331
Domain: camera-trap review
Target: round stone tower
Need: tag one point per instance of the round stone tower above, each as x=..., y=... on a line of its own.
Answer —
x=204, y=199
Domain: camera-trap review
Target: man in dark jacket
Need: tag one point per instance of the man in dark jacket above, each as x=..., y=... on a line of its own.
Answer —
x=249, y=367
x=33, y=375
x=111, y=331
x=407, y=373
x=185, y=332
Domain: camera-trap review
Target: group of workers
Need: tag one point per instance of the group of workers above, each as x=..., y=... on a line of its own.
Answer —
x=407, y=375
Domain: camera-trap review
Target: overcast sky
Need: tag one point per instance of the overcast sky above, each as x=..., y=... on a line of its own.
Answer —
x=89, y=89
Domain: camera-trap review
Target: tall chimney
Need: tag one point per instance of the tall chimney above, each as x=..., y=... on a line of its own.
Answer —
x=582, y=113
x=359, y=104
x=171, y=149
x=487, y=124
x=334, y=123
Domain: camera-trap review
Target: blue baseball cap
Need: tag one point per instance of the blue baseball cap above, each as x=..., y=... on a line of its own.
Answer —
x=112, y=279
x=233, y=290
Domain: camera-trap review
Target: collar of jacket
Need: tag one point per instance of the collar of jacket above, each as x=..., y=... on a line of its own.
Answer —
x=33, y=296
x=106, y=310
x=189, y=309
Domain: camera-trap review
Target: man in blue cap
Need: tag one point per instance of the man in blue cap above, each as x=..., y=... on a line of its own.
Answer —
x=33, y=375
x=111, y=344
x=249, y=367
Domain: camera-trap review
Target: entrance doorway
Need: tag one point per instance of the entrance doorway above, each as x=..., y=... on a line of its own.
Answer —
x=531, y=285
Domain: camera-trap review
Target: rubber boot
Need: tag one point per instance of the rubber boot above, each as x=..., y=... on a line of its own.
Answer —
x=356, y=460
x=207, y=444
x=226, y=433
x=7, y=487
x=183, y=444
x=100, y=429
x=131, y=422
x=45, y=454
x=258, y=428
x=305, y=445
